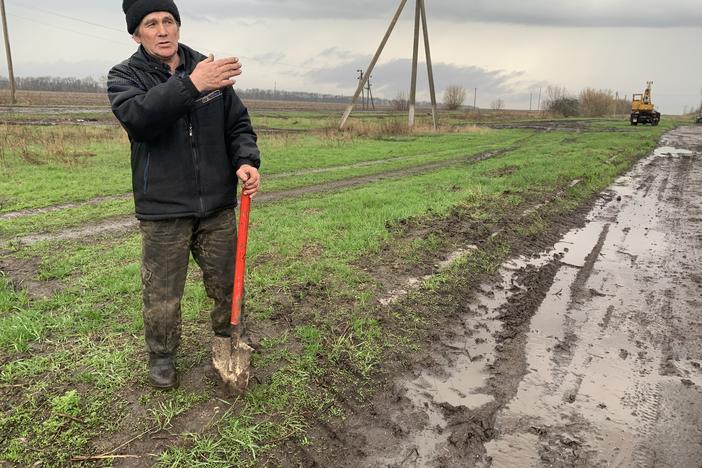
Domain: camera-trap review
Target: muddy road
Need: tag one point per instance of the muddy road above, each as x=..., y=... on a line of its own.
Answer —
x=587, y=353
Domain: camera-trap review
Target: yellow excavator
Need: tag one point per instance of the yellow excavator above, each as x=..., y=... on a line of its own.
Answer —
x=642, y=109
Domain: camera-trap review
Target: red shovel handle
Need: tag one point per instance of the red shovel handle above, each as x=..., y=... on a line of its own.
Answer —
x=240, y=265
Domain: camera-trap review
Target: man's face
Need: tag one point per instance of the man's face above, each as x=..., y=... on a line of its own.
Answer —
x=159, y=33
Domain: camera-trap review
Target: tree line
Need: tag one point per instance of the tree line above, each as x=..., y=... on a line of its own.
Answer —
x=91, y=85
x=589, y=103
x=55, y=83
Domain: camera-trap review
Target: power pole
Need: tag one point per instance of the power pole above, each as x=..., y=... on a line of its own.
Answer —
x=369, y=92
x=530, y=96
x=419, y=14
x=369, y=70
x=430, y=71
x=415, y=54
x=8, y=52
x=475, y=99
x=616, y=103
x=538, y=106
x=363, y=95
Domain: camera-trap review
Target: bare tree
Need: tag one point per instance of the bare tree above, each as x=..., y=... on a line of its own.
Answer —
x=454, y=97
x=555, y=94
x=596, y=102
x=497, y=104
x=400, y=102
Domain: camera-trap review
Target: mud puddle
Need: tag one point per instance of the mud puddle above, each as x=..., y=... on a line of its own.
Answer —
x=588, y=354
x=613, y=351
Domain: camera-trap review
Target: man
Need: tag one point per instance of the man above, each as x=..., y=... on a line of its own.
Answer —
x=191, y=138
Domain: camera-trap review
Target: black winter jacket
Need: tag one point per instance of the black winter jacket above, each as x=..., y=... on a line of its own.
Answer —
x=186, y=146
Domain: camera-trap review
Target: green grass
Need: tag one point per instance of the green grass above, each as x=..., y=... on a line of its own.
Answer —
x=79, y=352
x=286, y=166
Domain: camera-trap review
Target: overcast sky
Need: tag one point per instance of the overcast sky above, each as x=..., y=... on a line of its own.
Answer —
x=508, y=49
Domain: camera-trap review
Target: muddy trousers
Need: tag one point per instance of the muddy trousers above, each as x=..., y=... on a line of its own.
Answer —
x=166, y=248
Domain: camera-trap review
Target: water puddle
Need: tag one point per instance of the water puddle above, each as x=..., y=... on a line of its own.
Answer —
x=609, y=342
x=670, y=151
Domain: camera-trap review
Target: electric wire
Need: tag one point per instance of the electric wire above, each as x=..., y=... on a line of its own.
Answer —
x=67, y=17
x=125, y=43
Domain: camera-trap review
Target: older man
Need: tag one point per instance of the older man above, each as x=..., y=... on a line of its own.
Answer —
x=191, y=138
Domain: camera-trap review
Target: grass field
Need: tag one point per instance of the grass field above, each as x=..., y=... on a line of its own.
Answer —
x=73, y=377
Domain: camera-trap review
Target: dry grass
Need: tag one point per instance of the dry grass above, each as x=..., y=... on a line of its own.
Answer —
x=65, y=145
x=399, y=126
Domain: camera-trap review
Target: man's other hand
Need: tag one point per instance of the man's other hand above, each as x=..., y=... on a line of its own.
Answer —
x=251, y=179
x=211, y=74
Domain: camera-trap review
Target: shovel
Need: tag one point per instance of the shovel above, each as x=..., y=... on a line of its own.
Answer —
x=231, y=357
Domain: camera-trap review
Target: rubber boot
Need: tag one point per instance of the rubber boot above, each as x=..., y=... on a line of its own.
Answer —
x=162, y=371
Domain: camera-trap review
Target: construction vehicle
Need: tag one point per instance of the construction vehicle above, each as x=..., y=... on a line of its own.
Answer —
x=642, y=109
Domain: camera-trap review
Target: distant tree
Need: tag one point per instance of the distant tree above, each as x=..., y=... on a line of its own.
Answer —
x=400, y=102
x=558, y=101
x=553, y=94
x=597, y=102
x=454, y=96
x=51, y=83
x=565, y=106
x=497, y=104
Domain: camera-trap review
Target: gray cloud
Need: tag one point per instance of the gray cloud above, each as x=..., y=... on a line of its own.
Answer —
x=394, y=76
x=589, y=13
x=592, y=13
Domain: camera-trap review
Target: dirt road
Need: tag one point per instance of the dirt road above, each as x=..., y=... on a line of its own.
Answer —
x=588, y=354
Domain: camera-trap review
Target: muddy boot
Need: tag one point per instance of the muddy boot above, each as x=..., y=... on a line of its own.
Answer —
x=162, y=371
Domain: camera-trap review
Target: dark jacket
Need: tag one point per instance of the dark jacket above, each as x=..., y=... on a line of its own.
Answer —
x=186, y=146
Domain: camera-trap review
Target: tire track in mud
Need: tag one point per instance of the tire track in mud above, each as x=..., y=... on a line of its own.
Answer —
x=64, y=206
x=120, y=225
x=616, y=375
x=543, y=412
x=126, y=196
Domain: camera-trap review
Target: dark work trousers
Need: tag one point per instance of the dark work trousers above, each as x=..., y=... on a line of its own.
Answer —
x=166, y=248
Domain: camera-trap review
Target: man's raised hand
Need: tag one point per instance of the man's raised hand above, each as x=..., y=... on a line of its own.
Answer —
x=211, y=74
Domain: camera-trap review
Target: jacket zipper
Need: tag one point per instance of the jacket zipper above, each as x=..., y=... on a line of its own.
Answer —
x=196, y=162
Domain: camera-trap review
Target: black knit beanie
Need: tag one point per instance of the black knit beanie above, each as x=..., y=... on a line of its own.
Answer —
x=137, y=9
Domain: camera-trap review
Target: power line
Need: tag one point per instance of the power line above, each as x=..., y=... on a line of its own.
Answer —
x=68, y=30
x=68, y=17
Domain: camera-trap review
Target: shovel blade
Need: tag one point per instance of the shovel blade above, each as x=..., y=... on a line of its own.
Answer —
x=231, y=359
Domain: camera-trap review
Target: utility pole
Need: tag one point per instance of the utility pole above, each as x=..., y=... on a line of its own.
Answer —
x=420, y=14
x=369, y=92
x=475, y=99
x=415, y=54
x=538, y=106
x=530, y=96
x=616, y=103
x=363, y=95
x=430, y=71
x=8, y=52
